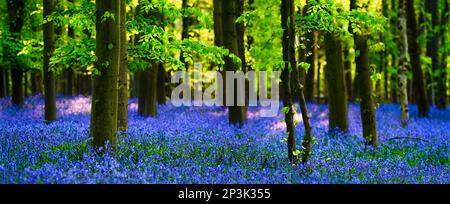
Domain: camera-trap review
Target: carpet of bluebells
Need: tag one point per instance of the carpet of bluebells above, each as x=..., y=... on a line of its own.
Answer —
x=196, y=145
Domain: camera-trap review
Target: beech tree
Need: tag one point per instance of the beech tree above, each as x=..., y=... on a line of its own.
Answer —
x=404, y=63
x=15, y=23
x=415, y=51
x=49, y=76
x=363, y=76
x=105, y=92
x=288, y=25
x=122, y=114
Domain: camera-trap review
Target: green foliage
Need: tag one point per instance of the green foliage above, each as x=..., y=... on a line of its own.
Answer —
x=25, y=47
x=264, y=27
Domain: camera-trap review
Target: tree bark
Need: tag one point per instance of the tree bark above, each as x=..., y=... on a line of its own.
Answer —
x=218, y=33
x=15, y=23
x=337, y=95
x=311, y=60
x=441, y=96
x=367, y=107
x=36, y=81
x=415, y=53
x=403, y=66
x=348, y=62
x=236, y=114
x=25, y=84
x=162, y=76
x=148, y=91
x=434, y=41
x=185, y=31
x=70, y=74
x=105, y=96
x=286, y=79
x=49, y=76
x=3, y=82
x=288, y=25
x=122, y=114
x=17, y=90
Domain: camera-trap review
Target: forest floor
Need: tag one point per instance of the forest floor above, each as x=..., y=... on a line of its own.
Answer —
x=196, y=145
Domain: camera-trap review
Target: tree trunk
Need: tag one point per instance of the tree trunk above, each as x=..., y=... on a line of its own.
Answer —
x=49, y=76
x=17, y=89
x=286, y=79
x=337, y=95
x=403, y=66
x=415, y=53
x=367, y=107
x=147, y=91
x=311, y=60
x=288, y=26
x=122, y=113
x=218, y=33
x=384, y=56
x=348, y=61
x=161, y=84
x=434, y=42
x=25, y=84
x=70, y=83
x=15, y=22
x=141, y=82
x=441, y=96
x=185, y=30
x=34, y=82
x=3, y=82
x=236, y=114
x=105, y=96
x=240, y=29
x=318, y=93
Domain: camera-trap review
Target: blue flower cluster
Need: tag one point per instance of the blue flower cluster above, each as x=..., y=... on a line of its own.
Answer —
x=196, y=145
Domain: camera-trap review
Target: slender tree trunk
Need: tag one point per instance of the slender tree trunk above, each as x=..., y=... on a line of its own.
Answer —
x=384, y=55
x=17, y=90
x=250, y=39
x=141, y=82
x=236, y=114
x=318, y=94
x=15, y=22
x=122, y=114
x=286, y=79
x=415, y=53
x=311, y=60
x=403, y=69
x=49, y=76
x=365, y=91
x=3, y=82
x=185, y=31
x=218, y=33
x=348, y=62
x=218, y=37
x=337, y=95
x=25, y=84
x=441, y=96
x=105, y=96
x=288, y=25
x=434, y=41
x=70, y=83
x=393, y=78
